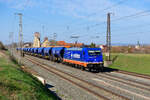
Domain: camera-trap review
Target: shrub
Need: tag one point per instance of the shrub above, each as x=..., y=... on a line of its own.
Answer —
x=2, y=46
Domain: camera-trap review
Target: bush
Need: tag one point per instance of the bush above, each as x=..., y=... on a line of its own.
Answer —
x=2, y=46
x=92, y=45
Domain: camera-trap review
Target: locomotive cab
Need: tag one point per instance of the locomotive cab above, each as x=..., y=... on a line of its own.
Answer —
x=94, y=58
x=93, y=55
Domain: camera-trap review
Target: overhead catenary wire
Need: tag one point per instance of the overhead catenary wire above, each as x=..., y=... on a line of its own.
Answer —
x=138, y=14
x=123, y=33
x=133, y=15
x=107, y=8
x=110, y=7
x=133, y=27
x=89, y=27
x=37, y=20
x=114, y=36
x=120, y=35
x=25, y=5
x=101, y=10
x=132, y=33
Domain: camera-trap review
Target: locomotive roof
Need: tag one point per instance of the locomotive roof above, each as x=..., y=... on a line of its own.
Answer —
x=80, y=49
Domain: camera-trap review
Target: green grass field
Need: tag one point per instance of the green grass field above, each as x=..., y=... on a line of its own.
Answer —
x=18, y=85
x=139, y=63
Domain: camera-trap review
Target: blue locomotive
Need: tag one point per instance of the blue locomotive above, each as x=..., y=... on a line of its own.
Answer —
x=85, y=58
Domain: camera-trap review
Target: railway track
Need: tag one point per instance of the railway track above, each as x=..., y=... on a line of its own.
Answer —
x=130, y=82
x=125, y=82
x=134, y=74
x=130, y=87
x=99, y=92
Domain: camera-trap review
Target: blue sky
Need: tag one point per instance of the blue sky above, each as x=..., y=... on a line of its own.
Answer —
x=84, y=18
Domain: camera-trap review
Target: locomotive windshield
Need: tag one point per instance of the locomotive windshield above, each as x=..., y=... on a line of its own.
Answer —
x=94, y=52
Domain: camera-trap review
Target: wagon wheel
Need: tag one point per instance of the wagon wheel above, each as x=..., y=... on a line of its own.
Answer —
x=83, y=68
x=90, y=69
x=53, y=58
x=50, y=58
x=102, y=69
x=61, y=59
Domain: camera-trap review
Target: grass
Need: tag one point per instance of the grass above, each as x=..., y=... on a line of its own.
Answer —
x=18, y=85
x=139, y=63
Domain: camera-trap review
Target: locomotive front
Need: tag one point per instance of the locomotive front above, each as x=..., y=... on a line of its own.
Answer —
x=94, y=58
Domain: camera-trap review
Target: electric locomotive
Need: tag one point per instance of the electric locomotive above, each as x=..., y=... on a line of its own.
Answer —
x=85, y=58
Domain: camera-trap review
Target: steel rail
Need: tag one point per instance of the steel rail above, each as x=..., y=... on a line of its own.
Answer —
x=121, y=80
x=57, y=72
x=134, y=74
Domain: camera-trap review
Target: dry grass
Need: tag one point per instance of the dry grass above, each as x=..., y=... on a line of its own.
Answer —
x=1, y=68
x=2, y=54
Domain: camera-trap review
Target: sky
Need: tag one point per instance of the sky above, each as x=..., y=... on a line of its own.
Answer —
x=130, y=20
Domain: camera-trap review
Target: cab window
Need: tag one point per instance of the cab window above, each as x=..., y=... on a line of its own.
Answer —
x=94, y=52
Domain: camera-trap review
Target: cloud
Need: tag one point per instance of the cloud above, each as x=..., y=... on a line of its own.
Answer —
x=19, y=4
x=74, y=8
x=90, y=10
x=24, y=4
x=81, y=9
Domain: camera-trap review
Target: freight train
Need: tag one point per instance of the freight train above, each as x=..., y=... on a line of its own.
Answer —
x=84, y=58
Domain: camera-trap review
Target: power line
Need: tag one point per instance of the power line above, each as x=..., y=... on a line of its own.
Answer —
x=128, y=34
x=25, y=5
x=120, y=35
x=114, y=5
x=138, y=14
x=124, y=17
x=133, y=15
x=107, y=8
x=110, y=7
x=132, y=33
x=133, y=27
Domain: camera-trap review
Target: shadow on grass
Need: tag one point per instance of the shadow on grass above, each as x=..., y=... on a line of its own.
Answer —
x=107, y=69
x=114, y=58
